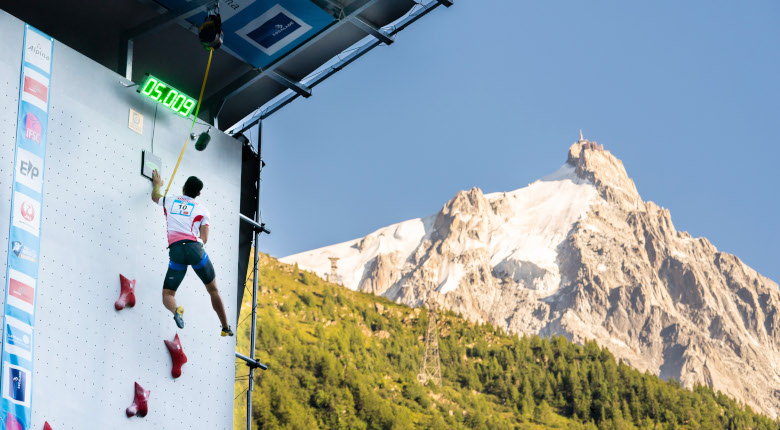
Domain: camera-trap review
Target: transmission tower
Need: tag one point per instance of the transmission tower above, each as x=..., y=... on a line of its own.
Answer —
x=430, y=367
x=334, y=270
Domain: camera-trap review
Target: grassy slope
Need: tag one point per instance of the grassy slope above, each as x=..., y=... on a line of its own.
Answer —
x=342, y=359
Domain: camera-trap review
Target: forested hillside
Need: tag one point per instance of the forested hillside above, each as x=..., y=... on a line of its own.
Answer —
x=342, y=359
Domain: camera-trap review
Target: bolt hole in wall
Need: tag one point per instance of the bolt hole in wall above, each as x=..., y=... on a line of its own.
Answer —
x=98, y=222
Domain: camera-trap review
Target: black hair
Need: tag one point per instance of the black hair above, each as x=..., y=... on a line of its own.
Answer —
x=192, y=187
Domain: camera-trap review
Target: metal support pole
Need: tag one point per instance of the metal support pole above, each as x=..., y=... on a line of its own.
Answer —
x=254, y=279
x=129, y=60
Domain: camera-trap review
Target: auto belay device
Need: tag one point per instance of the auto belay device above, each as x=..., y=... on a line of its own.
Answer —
x=210, y=32
x=203, y=139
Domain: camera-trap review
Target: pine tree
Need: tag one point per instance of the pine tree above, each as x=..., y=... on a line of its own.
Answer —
x=542, y=413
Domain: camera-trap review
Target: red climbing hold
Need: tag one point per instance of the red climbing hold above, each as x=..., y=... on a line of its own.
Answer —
x=177, y=355
x=140, y=403
x=46, y=426
x=127, y=296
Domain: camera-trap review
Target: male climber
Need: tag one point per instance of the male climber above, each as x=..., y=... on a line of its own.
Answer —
x=184, y=217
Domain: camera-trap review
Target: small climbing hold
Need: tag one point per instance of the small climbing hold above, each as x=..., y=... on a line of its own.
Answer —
x=127, y=294
x=46, y=426
x=140, y=404
x=177, y=355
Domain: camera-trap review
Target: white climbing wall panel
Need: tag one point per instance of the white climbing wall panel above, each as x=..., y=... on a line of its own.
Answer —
x=10, y=64
x=98, y=221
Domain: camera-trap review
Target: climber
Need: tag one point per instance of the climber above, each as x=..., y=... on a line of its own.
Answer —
x=183, y=215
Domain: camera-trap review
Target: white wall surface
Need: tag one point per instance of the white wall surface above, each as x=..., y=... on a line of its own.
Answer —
x=10, y=66
x=98, y=221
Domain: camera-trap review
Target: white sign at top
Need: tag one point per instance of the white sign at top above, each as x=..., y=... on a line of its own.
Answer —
x=37, y=51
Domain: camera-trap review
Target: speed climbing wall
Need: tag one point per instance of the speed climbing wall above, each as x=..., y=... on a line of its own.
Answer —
x=98, y=222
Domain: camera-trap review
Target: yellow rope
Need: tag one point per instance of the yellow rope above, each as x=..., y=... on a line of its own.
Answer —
x=197, y=109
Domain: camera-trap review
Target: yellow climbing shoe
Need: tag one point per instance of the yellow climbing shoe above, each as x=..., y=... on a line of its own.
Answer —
x=177, y=317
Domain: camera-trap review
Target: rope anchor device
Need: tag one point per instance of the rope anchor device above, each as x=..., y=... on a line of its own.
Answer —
x=210, y=32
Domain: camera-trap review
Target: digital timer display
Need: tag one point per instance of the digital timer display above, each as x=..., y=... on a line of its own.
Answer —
x=168, y=96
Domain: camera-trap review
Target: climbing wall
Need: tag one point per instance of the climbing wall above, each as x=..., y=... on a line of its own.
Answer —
x=10, y=63
x=97, y=222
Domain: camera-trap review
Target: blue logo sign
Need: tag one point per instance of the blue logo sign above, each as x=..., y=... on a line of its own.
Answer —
x=23, y=252
x=18, y=381
x=18, y=338
x=274, y=30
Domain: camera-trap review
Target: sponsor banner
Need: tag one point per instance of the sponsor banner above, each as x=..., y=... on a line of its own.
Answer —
x=261, y=31
x=29, y=170
x=21, y=291
x=35, y=89
x=273, y=30
x=20, y=250
x=27, y=212
x=18, y=338
x=25, y=230
x=37, y=51
x=17, y=382
x=32, y=131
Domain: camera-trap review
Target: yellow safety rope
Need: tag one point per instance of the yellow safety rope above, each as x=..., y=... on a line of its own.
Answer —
x=197, y=109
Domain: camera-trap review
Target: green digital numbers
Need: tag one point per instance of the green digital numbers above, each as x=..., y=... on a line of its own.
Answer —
x=168, y=96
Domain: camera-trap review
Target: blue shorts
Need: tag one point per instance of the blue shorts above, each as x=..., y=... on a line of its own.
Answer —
x=187, y=253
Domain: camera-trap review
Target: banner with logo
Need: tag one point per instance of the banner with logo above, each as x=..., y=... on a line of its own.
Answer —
x=24, y=239
x=261, y=31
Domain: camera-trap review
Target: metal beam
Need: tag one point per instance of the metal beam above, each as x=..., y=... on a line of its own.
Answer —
x=125, y=64
x=372, y=30
x=299, y=88
x=251, y=363
x=216, y=100
x=258, y=227
x=128, y=54
x=351, y=57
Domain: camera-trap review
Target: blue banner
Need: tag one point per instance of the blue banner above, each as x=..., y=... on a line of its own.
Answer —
x=24, y=239
x=261, y=31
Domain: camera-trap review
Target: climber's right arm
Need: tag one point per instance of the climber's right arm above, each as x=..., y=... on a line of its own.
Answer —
x=157, y=184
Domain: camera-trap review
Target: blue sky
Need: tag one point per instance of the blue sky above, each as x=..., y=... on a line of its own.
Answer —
x=491, y=93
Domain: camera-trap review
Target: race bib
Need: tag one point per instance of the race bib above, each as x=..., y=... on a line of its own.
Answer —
x=182, y=208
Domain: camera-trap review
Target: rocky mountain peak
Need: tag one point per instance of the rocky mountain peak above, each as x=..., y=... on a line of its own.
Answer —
x=463, y=217
x=597, y=165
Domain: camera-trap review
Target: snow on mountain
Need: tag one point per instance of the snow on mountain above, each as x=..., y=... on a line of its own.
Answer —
x=533, y=221
x=354, y=255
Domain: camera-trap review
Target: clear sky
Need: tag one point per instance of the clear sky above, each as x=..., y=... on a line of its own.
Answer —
x=491, y=93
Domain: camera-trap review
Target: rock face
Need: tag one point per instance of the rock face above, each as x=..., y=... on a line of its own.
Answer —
x=580, y=254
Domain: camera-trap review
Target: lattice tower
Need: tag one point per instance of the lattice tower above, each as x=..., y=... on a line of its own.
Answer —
x=430, y=366
x=334, y=270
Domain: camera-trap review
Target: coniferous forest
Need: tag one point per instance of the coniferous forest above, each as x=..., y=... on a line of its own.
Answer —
x=346, y=360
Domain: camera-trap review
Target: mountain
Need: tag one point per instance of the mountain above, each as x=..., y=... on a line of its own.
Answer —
x=349, y=360
x=580, y=254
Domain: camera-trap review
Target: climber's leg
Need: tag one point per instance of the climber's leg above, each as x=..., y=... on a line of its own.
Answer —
x=169, y=300
x=216, y=302
x=173, y=279
x=205, y=271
